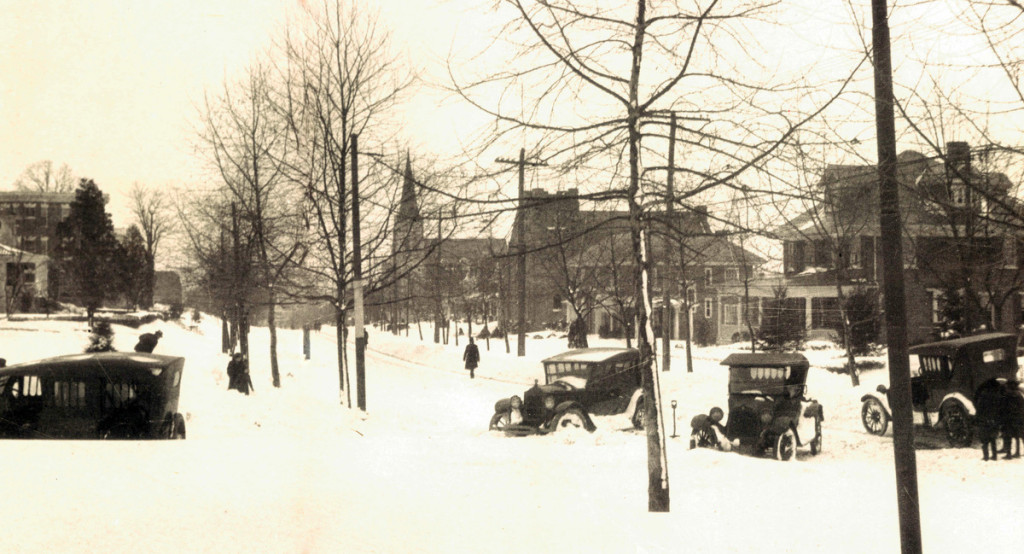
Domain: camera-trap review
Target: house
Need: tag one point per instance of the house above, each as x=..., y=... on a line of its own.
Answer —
x=961, y=241
x=580, y=263
x=28, y=235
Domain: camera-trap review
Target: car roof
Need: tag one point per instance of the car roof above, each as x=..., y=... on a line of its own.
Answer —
x=948, y=347
x=101, y=360
x=765, y=359
x=593, y=355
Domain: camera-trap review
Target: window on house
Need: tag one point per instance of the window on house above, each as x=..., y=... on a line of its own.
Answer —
x=691, y=296
x=709, y=308
x=20, y=274
x=708, y=276
x=730, y=311
x=732, y=274
x=822, y=253
x=825, y=313
x=793, y=252
x=958, y=195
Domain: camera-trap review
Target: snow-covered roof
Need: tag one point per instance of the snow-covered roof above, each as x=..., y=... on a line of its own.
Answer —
x=589, y=355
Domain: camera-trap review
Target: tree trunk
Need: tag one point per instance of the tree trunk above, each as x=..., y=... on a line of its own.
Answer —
x=275, y=373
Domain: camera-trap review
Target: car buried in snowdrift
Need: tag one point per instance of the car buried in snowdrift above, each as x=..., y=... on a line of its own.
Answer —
x=768, y=408
x=951, y=372
x=104, y=395
x=578, y=383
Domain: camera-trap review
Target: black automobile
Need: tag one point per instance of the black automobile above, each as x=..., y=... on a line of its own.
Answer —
x=768, y=409
x=93, y=396
x=951, y=372
x=578, y=383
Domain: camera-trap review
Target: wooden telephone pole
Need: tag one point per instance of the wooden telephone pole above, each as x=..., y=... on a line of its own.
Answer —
x=521, y=244
x=895, y=295
x=357, y=270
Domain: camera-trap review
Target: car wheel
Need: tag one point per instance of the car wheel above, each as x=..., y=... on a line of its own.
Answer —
x=638, y=414
x=785, y=446
x=178, y=427
x=571, y=420
x=817, y=442
x=706, y=439
x=874, y=417
x=500, y=421
x=958, y=428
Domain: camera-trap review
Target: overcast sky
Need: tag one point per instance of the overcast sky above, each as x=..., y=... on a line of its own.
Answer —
x=110, y=87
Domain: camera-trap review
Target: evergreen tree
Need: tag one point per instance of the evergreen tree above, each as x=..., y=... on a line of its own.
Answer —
x=136, y=269
x=782, y=325
x=88, y=248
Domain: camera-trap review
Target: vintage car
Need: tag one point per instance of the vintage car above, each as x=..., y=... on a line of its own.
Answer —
x=949, y=376
x=767, y=406
x=578, y=383
x=89, y=396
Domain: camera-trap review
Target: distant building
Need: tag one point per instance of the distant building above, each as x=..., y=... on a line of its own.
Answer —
x=28, y=240
x=961, y=235
x=32, y=219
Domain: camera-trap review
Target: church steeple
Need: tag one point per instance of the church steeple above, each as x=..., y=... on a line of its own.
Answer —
x=408, y=223
x=408, y=210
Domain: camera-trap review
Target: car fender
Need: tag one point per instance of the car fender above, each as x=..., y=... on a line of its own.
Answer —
x=961, y=398
x=568, y=405
x=637, y=397
x=882, y=399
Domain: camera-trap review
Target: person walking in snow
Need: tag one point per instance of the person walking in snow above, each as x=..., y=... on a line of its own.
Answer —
x=471, y=356
x=147, y=342
x=238, y=374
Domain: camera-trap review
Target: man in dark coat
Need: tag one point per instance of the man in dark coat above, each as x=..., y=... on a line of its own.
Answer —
x=238, y=374
x=147, y=342
x=471, y=356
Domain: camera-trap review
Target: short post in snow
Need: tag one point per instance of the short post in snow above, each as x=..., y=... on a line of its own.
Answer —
x=305, y=341
x=674, y=435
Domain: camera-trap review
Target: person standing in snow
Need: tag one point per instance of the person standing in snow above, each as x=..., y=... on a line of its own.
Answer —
x=471, y=356
x=238, y=374
x=147, y=342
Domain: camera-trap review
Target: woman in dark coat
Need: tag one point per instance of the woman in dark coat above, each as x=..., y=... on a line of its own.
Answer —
x=471, y=356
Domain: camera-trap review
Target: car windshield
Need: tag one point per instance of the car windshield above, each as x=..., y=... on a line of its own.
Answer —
x=573, y=381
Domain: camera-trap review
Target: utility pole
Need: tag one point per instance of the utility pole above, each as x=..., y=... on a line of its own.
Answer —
x=357, y=271
x=670, y=209
x=521, y=244
x=895, y=295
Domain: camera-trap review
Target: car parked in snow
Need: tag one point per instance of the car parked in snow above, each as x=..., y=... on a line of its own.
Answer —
x=768, y=409
x=950, y=374
x=95, y=395
x=578, y=383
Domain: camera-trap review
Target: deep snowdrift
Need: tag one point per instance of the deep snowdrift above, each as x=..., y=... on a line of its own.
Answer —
x=293, y=470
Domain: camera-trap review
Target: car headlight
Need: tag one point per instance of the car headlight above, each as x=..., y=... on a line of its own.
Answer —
x=766, y=417
x=549, y=402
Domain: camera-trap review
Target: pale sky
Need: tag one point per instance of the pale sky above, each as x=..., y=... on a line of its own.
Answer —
x=111, y=87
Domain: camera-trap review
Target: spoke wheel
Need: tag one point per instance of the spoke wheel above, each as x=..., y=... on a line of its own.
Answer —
x=571, y=420
x=638, y=414
x=958, y=428
x=785, y=446
x=500, y=421
x=817, y=442
x=706, y=439
x=874, y=417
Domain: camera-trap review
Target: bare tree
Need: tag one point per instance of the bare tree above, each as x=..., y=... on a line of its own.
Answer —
x=43, y=176
x=339, y=78
x=601, y=78
x=245, y=142
x=156, y=220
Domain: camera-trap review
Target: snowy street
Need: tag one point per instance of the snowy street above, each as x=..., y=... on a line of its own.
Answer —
x=289, y=470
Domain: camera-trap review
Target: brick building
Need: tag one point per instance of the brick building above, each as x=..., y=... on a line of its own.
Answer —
x=961, y=236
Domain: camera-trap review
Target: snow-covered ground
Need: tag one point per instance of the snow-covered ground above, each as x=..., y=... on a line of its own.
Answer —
x=293, y=470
